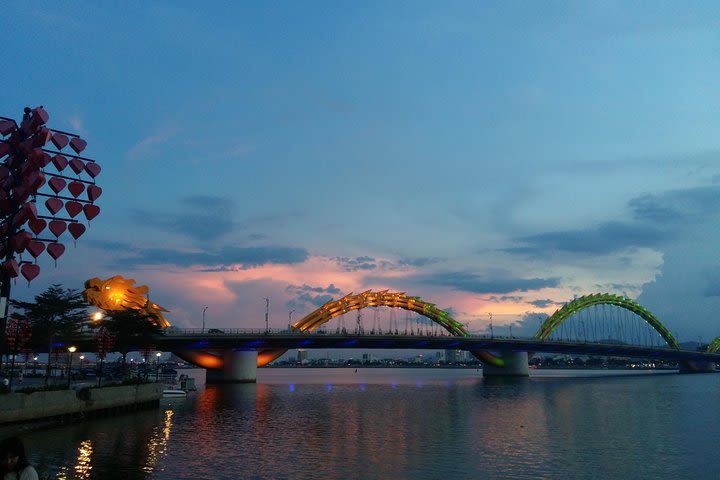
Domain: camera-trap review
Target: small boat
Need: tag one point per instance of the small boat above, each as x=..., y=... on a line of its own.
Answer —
x=172, y=392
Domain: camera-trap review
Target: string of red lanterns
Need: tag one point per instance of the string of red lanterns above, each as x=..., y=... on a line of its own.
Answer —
x=30, y=170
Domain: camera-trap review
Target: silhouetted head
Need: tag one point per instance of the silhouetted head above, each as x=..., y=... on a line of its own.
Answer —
x=12, y=455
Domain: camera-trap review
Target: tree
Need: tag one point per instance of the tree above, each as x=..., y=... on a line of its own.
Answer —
x=132, y=328
x=57, y=314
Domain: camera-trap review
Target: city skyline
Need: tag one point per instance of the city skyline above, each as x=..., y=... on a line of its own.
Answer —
x=490, y=158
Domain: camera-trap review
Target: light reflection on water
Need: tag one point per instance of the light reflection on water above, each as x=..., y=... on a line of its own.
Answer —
x=157, y=444
x=83, y=467
x=415, y=423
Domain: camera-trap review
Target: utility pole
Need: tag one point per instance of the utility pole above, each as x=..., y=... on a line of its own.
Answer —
x=267, y=311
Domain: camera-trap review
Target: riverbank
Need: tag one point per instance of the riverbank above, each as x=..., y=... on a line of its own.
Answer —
x=81, y=403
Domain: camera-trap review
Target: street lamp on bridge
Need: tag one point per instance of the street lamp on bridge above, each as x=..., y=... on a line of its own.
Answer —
x=203, y=318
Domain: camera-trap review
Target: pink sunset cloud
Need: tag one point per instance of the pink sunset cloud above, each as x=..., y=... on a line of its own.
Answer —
x=236, y=296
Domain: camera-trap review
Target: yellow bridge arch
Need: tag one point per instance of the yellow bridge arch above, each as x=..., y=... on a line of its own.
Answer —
x=383, y=298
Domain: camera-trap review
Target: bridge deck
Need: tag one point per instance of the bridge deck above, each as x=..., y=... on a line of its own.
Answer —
x=180, y=340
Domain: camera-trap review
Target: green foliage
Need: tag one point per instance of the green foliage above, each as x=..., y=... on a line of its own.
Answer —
x=131, y=327
x=56, y=314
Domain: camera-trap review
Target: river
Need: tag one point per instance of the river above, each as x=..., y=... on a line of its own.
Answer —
x=405, y=424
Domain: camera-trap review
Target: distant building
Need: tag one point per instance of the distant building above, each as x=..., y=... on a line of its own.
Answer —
x=302, y=356
x=454, y=356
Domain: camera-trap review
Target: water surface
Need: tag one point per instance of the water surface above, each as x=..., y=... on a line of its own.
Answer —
x=405, y=423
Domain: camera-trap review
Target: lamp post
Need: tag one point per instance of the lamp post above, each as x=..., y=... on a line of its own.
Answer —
x=290, y=319
x=35, y=360
x=203, y=316
x=71, y=350
x=267, y=312
x=157, y=366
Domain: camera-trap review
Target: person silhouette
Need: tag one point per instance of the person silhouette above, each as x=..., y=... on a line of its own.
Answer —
x=14, y=464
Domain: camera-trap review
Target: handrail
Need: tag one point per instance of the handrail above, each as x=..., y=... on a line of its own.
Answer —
x=229, y=332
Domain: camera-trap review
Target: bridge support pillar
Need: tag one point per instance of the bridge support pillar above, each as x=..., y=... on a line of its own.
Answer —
x=239, y=366
x=696, y=366
x=515, y=364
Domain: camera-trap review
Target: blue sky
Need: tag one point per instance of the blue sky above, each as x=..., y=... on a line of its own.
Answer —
x=488, y=156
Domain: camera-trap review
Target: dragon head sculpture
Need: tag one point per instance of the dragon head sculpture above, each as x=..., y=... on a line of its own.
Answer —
x=118, y=293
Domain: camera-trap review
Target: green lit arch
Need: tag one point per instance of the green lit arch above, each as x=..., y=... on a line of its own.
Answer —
x=557, y=318
x=383, y=298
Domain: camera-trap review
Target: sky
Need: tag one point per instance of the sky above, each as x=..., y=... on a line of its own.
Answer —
x=490, y=157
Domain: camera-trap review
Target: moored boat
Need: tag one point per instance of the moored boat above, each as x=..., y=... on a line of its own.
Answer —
x=172, y=392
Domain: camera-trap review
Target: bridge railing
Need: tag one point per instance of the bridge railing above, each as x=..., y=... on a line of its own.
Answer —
x=173, y=331
x=219, y=332
x=229, y=331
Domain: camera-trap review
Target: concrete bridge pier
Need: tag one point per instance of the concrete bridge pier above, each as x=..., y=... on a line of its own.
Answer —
x=696, y=366
x=239, y=366
x=515, y=364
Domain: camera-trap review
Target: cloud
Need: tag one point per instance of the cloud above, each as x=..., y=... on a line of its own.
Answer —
x=307, y=288
x=239, y=150
x=305, y=295
x=77, y=125
x=658, y=219
x=147, y=146
x=222, y=259
x=677, y=207
x=469, y=282
x=209, y=202
x=526, y=326
x=110, y=245
x=543, y=303
x=712, y=282
x=529, y=324
x=604, y=239
x=200, y=227
x=354, y=264
x=253, y=256
x=506, y=298
x=685, y=295
x=419, y=262
x=306, y=298
x=204, y=218
x=350, y=264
